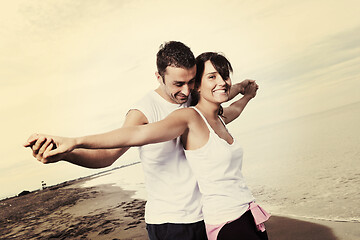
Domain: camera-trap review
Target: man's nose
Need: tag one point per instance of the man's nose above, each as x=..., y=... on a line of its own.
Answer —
x=186, y=89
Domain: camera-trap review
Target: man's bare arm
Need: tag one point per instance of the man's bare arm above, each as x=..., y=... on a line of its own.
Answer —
x=90, y=158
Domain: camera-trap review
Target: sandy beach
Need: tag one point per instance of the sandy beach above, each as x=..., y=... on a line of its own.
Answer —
x=71, y=211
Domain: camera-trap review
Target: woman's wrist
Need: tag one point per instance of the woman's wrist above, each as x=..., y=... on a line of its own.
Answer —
x=78, y=142
x=240, y=88
x=248, y=97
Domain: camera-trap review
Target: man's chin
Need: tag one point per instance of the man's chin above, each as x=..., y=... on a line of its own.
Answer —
x=182, y=100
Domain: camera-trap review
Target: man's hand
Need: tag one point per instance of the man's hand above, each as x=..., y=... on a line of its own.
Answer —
x=42, y=145
x=251, y=90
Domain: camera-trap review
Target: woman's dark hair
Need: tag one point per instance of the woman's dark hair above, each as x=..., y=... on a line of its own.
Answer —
x=175, y=54
x=221, y=65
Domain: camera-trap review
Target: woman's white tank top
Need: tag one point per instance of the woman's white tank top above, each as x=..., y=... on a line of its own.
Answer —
x=217, y=168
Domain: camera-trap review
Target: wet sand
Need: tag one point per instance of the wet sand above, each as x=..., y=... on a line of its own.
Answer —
x=285, y=228
x=69, y=211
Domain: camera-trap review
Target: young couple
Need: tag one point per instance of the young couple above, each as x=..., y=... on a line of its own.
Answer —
x=192, y=164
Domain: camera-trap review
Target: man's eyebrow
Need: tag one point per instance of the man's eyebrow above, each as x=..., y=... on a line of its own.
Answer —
x=183, y=82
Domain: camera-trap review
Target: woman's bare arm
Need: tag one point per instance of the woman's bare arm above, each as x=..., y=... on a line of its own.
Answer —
x=169, y=128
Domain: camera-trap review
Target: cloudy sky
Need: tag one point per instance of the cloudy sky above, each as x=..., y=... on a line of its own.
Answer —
x=74, y=67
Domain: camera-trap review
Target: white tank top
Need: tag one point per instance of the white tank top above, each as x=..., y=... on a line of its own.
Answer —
x=217, y=168
x=172, y=192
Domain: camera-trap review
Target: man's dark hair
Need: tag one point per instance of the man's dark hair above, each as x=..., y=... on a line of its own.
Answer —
x=174, y=54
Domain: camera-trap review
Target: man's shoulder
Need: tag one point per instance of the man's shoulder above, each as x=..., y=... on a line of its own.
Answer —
x=148, y=97
x=150, y=105
x=141, y=110
x=146, y=101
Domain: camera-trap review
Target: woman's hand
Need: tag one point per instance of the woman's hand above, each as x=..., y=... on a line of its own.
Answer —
x=63, y=146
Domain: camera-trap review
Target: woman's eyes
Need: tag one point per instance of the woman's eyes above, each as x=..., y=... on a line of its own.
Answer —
x=212, y=77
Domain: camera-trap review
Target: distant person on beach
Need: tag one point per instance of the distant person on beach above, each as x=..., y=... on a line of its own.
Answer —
x=228, y=207
x=174, y=201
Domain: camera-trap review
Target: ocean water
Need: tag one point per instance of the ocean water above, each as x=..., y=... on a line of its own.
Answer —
x=130, y=178
x=306, y=167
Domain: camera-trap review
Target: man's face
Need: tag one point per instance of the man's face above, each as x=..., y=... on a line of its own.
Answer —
x=178, y=83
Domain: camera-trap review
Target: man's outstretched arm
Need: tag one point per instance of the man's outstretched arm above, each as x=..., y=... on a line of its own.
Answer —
x=90, y=158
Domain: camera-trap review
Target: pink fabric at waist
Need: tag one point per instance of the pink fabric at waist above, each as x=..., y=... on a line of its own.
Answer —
x=259, y=214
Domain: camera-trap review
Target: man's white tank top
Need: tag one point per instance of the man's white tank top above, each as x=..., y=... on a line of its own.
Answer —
x=172, y=192
x=217, y=167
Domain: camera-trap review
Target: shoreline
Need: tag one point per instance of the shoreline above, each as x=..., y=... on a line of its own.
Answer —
x=70, y=181
x=70, y=211
x=317, y=219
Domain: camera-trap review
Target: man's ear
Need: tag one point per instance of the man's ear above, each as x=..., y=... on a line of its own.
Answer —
x=159, y=77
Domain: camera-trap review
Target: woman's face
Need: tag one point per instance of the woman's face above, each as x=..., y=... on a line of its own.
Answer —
x=213, y=87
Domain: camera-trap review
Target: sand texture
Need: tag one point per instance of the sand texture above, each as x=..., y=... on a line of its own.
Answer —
x=69, y=211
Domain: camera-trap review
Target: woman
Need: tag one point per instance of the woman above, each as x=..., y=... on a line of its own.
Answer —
x=213, y=154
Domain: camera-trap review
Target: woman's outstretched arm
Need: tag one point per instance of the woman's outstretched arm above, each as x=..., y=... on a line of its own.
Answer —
x=167, y=129
x=89, y=158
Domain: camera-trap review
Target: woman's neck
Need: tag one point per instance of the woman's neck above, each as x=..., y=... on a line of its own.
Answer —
x=208, y=109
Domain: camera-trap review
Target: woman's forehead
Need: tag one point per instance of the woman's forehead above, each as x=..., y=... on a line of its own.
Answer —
x=209, y=67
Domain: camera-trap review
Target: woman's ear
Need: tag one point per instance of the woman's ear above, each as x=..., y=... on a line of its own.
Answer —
x=197, y=90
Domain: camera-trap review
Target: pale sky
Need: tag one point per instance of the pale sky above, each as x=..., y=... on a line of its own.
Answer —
x=74, y=67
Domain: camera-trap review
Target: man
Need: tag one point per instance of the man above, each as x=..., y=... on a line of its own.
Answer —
x=173, y=208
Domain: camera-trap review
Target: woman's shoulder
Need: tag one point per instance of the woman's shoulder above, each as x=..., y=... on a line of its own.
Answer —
x=189, y=114
x=188, y=111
